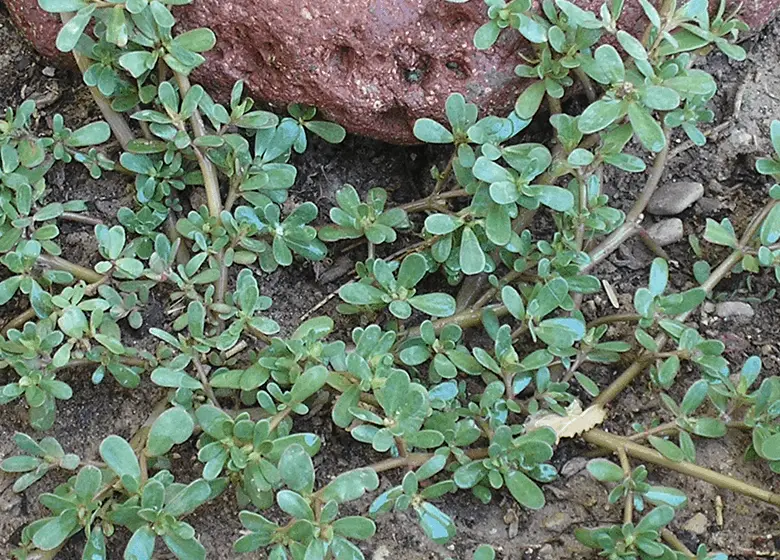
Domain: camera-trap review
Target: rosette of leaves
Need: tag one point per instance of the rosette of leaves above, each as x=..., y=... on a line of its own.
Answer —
x=436, y=524
x=514, y=462
x=263, y=174
x=487, y=133
x=640, y=541
x=363, y=369
x=759, y=406
x=285, y=359
x=516, y=14
x=354, y=219
x=156, y=181
x=505, y=363
x=39, y=385
x=635, y=485
x=22, y=262
x=462, y=245
x=112, y=245
x=243, y=310
x=512, y=187
x=26, y=157
x=74, y=506
x=382, y=289
x=303, y=117
x=449, y=356
x=404, y=407
x=697, y=29
x=315, y=531
x=764, y=417
x=559, y=40
x=292, y=234
x=155, y=505
x=706, y=354
x=144, y=223
x=250, y=451
x=42, y=457
x=650, y=302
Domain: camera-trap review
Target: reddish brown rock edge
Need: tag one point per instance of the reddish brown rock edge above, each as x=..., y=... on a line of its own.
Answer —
x=372, y=65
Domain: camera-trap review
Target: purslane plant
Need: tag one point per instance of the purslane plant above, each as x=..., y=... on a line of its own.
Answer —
x=453, y=408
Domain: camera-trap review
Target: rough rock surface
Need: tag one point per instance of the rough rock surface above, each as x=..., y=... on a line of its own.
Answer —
x=673, y=198
x=373, y=65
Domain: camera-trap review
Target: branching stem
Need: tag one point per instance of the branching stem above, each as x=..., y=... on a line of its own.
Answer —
x=634, y=217
x=612, y=442
x=117, y=122
x=78, y=271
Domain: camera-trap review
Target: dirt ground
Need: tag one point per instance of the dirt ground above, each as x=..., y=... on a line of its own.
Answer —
x=749, y=99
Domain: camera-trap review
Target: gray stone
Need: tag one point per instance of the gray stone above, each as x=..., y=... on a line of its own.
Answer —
x=574, y=466
x=697, y=524
x=558, y=522
x=734, y=309
x=666, y=232
x=673, y=198
x=547, y=552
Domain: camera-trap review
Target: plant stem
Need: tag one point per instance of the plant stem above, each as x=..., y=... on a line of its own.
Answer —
x=616, y=318
x=80, y=218
x=278, y=417
x=587, y=84
x=210, y=181
x=80, y=272
x=583, y=209
x=663, y=428
x=672, y=540
x=504, y=281
x=18, y=321
x=634, y=217
x=432, y=201
x=628, y=504
x=417, y=459
x=723, y=270
x=117, y=122
x=465, y=319
x=445, y=175
x=204, y=380
x=612, y=442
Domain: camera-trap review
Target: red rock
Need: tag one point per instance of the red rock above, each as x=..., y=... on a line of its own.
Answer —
x=372, y=65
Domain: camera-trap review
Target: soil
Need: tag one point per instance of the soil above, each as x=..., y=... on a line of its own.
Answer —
x=748, y=100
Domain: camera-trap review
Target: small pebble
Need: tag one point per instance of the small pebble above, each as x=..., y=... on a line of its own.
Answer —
x=48, y=71
x=547, y=552
x=574, y=466
x=666, y=232
x=558, y=522
x=742, y=141
x=697, y=524
x=673, y=198
x=734, y=309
